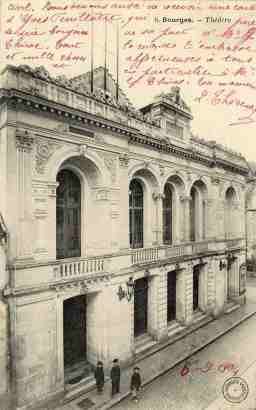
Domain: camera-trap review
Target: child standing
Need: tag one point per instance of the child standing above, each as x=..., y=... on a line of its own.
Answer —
x=135, y=383
x=99, y=377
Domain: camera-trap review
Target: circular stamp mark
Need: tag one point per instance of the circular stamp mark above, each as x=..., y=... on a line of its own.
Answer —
x=235, y=389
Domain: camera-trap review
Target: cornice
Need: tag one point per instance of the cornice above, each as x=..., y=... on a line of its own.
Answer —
x=187, y=154
x=74, y=116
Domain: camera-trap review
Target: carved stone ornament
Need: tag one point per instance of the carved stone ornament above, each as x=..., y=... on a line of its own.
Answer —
x=215, y=180
x=157, y=195
x=83, y=149
x=85, y=285
x=162, y=170
x=101, y=194
x=62, y=127
x=99, y=137
x=110, y=163
x=124, y=160
x=44, y=150
x=24, y=140
x=184, y=198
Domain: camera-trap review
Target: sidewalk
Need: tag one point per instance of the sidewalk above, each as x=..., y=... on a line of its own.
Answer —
x=152, y=366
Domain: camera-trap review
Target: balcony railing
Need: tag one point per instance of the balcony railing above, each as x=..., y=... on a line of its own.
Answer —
x=43, y=273
x=144, y=255
x=74, y=268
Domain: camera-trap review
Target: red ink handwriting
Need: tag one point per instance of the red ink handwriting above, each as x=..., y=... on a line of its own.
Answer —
x=222, y=367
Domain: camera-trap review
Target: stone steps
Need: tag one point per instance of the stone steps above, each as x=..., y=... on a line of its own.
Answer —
x=143, y=342
x=230, y=307
x=76, y=390
x=198, y=316
x=174, y=327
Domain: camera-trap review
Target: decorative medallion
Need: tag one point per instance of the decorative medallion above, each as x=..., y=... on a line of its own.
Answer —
x=44, y=150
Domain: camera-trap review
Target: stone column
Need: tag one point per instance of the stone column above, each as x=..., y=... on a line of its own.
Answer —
x=239, y=220
x=158, y=237
x=216, y=214
x=180, y=295
x=162, y=306
x=233, y=279
x=25, y=239
x=188, y=293
x=203, y=287
x=211, y=285
x=210, y=220
x=220, y=287
x=124, y=203
x=185, y=200
x=153, y=303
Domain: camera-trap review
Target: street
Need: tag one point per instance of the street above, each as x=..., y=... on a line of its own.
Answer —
x=198, y=383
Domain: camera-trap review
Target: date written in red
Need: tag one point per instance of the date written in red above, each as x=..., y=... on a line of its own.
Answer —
x=221, y=367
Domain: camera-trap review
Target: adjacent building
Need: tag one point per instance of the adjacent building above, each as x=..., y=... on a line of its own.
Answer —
x=123, y=227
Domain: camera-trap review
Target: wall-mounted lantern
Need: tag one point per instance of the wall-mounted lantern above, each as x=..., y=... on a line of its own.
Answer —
x=128, y=292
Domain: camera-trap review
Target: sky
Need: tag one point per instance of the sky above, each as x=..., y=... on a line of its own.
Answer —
x=157, y=44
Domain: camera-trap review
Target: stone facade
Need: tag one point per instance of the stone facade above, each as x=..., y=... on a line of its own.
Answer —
x=49, y=125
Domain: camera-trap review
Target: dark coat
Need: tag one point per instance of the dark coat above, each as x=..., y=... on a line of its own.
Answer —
x=115, y=374
x=135, y=381
x=99, y=375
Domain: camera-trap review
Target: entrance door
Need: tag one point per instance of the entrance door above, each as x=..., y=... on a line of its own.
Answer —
x=140, y=306
x=74, y=327
x=171, y=296
x=196, y=272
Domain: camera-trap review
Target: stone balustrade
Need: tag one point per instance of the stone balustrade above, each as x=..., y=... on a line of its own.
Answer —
x=144, y=255
x=26, y=275
x=76, y=268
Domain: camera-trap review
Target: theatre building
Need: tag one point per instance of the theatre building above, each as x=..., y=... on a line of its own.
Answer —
x=120, y=228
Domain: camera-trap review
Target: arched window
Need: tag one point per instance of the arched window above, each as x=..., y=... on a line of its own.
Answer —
x=136, y=214
x=68, y=215
x=230, y=217
x=193, y=206
x=167, y=215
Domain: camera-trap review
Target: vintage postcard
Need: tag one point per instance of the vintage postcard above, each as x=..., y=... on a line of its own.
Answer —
x=128, y=204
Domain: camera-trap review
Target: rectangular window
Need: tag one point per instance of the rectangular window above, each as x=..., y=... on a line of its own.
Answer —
x=174, y=129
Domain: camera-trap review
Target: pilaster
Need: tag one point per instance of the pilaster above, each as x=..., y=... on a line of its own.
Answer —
x=185, y=200
x=124, y=202
x=162, y=306
x=24, y=145
x=211, y=285
x=153, y=306
x=100, y=213
x=188, y=297
x=158, y=232
x=44, y=197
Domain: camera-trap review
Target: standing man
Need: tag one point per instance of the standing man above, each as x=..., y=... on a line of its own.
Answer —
x=135, y=383
x=115, y=377
x=99, y=377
